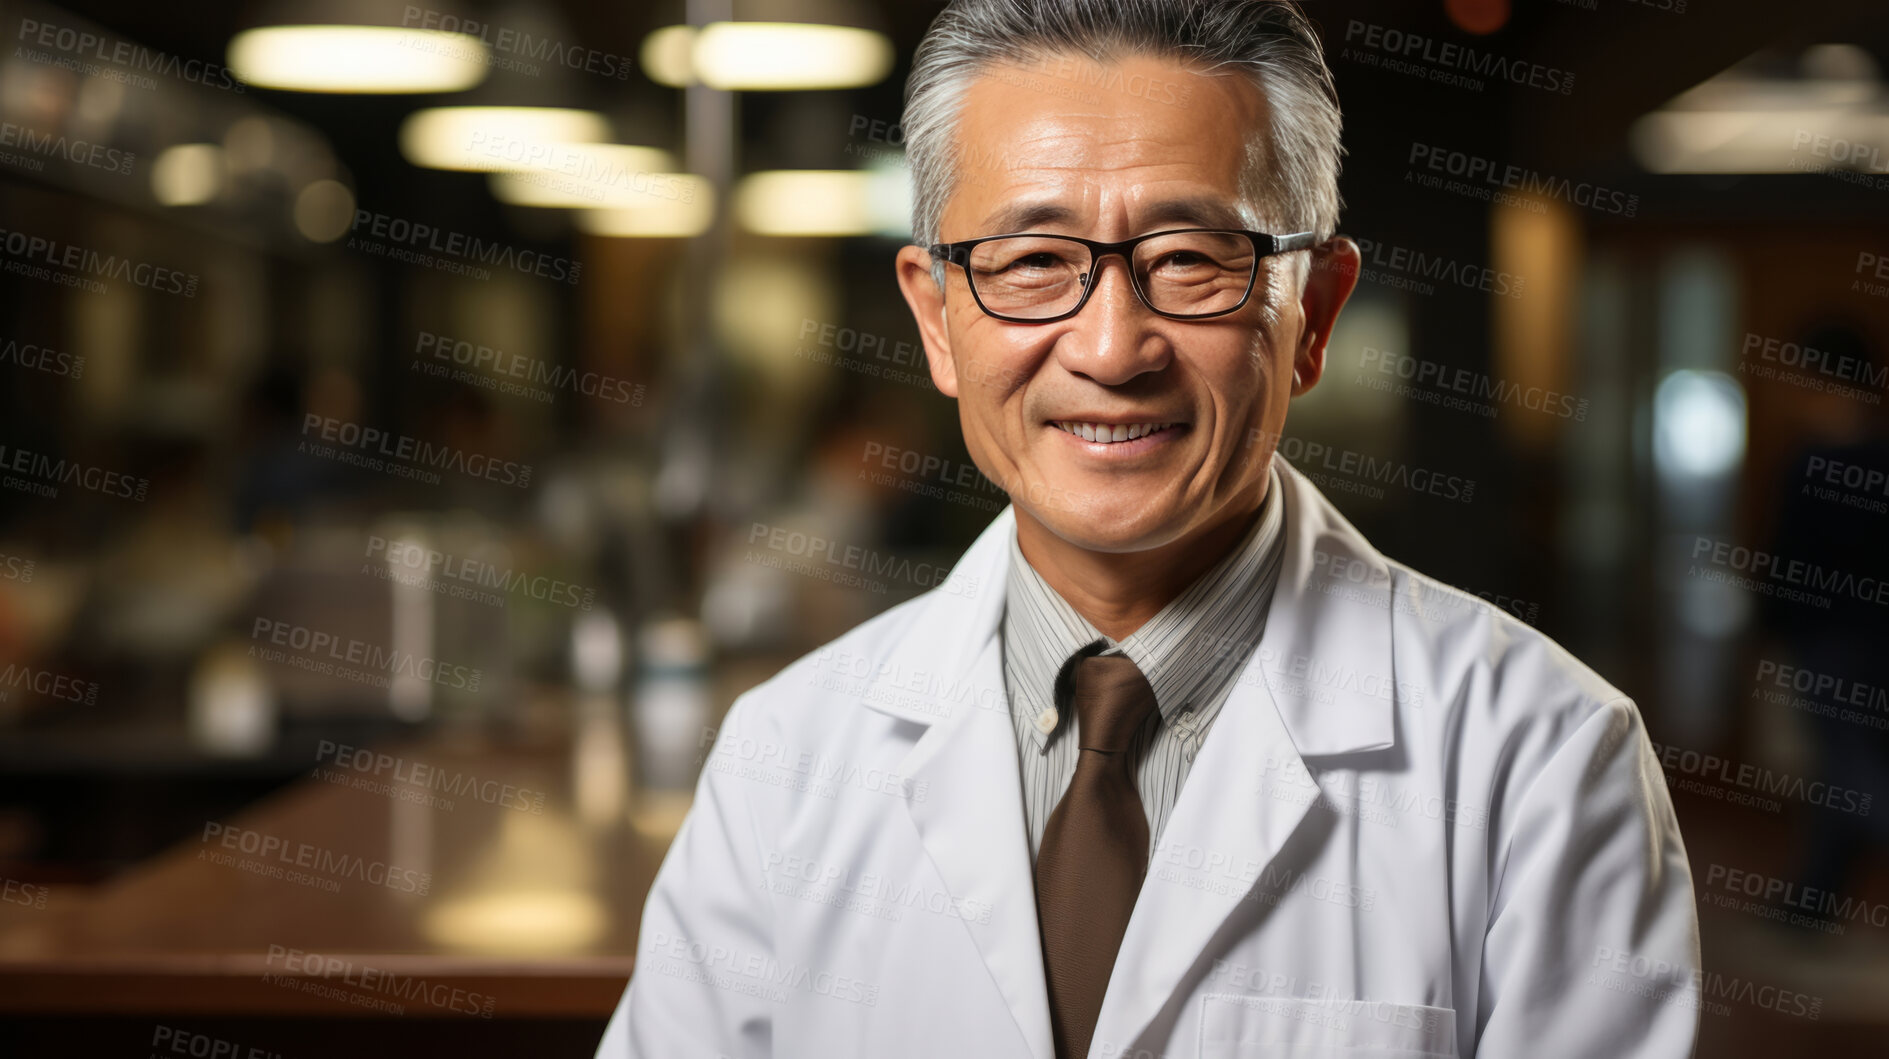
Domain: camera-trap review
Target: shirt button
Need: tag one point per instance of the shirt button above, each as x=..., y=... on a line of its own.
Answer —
x=1046, y=721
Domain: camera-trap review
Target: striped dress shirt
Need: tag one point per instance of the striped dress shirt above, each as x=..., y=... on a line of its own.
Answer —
x=1192, y=652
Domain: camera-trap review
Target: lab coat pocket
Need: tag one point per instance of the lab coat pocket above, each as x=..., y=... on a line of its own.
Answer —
x=1233, y=1026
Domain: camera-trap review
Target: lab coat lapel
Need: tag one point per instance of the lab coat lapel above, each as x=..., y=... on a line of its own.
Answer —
x=971, y=820
x=1320, y=683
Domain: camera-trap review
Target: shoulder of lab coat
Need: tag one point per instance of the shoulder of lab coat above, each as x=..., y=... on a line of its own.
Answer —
x=1566, y=863
x=1590, y=939
x=896, y=661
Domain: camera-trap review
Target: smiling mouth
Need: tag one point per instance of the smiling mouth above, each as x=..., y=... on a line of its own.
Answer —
x=1110, y=433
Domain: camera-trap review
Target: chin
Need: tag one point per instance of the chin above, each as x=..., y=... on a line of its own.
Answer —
x=1117, y=525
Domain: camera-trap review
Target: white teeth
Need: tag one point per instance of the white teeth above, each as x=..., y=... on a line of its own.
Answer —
x=1108, y=435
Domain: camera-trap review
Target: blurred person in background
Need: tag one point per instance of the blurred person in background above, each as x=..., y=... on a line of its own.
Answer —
x=1174, y=762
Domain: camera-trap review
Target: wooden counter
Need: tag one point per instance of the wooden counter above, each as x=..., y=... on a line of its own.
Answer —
x=449, y=882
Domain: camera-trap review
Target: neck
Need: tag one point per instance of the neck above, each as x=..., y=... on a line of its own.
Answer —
x=1119, y=591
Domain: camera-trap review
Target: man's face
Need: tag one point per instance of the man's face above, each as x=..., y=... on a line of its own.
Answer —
x=1109, y=163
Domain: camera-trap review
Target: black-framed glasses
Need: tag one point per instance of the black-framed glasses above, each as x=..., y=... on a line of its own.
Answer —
x=1182, y=273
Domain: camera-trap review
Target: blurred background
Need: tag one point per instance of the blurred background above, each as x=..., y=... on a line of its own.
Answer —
x=419, y=421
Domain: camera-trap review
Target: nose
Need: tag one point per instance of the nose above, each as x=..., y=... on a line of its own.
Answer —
x=1112, y=339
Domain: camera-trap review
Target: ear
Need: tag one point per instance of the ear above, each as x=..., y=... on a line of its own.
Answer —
x=1328, y=284
x=927, y=303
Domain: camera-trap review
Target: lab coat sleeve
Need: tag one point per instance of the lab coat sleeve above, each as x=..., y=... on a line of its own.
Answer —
x=699, y=984
x=1592, y=944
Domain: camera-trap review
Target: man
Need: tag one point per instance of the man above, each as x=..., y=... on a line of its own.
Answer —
x=1175, y=763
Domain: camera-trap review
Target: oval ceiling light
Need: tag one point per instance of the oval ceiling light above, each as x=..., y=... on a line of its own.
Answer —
x=188, y=174
x=823, y=202
x=497, y=139
x=659, y=220
x=619, y=178
x=768, y=56
x=669, y=56
x=324, y=210
x=368, y=59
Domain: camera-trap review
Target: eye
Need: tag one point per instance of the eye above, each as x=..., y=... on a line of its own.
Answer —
x=1182, y=259
x=1040, y=259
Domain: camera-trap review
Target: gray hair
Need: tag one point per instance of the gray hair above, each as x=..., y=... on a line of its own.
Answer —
x=1291, y=178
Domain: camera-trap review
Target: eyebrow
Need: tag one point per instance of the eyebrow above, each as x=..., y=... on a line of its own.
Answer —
x=1198, y=211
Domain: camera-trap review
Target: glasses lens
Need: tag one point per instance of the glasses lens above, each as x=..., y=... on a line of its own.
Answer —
x=1195, y=273
x=1029, y=277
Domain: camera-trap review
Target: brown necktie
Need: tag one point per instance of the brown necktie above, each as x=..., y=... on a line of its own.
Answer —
x=1095, y=850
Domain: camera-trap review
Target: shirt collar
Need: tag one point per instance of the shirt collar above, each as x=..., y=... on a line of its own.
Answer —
x=1183, y=650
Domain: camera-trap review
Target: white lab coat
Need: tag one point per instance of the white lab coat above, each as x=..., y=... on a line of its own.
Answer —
x=1417, y=828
